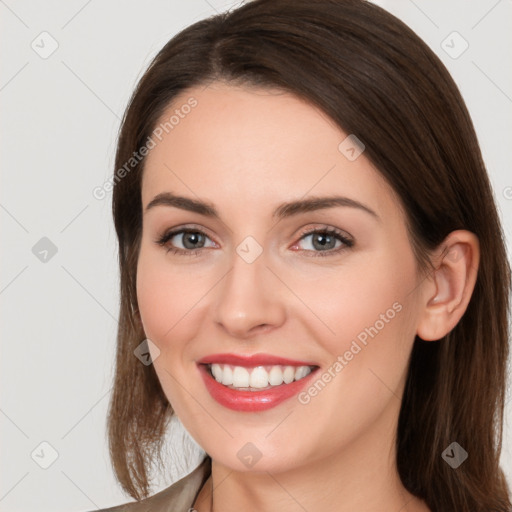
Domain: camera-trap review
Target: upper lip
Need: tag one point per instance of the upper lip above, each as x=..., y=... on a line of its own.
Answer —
x=252, y=360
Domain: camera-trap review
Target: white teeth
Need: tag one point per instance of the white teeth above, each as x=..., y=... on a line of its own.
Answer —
x=240, y=377
x=217, y=372
x=258, y=377
x=288, y=374
x=227, y=375
x=275, y=377
x=301, y=372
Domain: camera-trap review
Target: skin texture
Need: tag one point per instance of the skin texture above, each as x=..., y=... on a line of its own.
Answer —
x=246, y=151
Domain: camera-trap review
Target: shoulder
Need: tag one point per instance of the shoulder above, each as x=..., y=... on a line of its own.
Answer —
x=179, y=497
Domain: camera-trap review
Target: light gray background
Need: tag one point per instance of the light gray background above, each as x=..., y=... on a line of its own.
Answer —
x=60, y=116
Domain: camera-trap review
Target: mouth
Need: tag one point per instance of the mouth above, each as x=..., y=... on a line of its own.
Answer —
x=253, y=383
x=257, y=378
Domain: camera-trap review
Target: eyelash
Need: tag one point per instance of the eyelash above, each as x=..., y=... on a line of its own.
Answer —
x=195, y=252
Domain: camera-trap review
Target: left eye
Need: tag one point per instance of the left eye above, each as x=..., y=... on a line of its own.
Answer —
x=321, y=241
x=324, y=240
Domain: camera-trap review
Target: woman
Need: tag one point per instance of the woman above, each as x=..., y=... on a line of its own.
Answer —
x=311, y=257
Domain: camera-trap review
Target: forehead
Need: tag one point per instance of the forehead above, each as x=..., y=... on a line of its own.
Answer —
x=255, y=147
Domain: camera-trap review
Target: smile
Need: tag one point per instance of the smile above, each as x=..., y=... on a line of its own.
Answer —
x=257, y=378
x=253, y=383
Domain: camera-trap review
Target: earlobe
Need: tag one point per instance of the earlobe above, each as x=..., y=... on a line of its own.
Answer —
x=450, y=286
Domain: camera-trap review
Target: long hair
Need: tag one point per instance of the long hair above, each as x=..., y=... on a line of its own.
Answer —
x=376, y=78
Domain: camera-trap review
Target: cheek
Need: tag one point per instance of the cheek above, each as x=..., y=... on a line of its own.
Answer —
x=372, y=314
x=169, y=300
x=154, y=299
x=369, y=312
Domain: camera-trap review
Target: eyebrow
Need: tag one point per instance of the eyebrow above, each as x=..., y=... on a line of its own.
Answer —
x=282, y=211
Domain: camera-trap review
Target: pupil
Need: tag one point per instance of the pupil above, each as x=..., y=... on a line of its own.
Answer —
x=188, y=237
x=322, y=240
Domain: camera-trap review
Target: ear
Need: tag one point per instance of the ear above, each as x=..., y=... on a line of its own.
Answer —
x=448, y=289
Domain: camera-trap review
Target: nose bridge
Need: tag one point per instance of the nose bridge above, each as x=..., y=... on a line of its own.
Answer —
x=247, y=298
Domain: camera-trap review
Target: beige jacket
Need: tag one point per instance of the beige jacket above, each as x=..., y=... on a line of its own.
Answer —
x=179, y=497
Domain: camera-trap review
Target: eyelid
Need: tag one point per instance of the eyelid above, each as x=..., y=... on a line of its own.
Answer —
x=322, y=228
x=185, y=227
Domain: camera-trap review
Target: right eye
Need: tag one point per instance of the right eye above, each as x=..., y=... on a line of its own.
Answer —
x=192, y=241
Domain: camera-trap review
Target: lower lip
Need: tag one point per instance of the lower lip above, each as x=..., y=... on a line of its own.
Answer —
x=251, y=401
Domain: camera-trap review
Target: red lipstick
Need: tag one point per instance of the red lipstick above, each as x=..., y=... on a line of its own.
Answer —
x=252, y=401
x=252, y=360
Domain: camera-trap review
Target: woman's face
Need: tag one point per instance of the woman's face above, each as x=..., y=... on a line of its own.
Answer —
x=252, y=279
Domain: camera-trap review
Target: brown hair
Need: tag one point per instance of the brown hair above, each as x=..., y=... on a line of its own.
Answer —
x=375, y=78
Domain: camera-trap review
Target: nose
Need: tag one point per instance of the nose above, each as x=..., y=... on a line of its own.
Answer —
x=250, y=299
